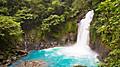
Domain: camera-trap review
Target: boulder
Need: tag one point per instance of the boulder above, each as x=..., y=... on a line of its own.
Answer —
x=38, y=63
x=22, y=52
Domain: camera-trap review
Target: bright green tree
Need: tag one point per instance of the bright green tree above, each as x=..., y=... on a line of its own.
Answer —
x=10, y=32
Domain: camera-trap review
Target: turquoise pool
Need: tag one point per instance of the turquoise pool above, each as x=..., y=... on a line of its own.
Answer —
x=56, y=59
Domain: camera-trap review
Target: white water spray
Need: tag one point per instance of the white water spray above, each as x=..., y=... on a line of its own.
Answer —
x=81, y=48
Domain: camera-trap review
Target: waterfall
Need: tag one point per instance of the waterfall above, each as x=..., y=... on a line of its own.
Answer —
x=81, y=47
x=83, y=29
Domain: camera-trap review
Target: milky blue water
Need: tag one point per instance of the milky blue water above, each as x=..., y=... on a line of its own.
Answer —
x=55, y=59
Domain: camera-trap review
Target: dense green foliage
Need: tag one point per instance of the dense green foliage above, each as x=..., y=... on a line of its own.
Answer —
x=49, y=18
x=10, y=31
x=44, y=16
x=107, y=29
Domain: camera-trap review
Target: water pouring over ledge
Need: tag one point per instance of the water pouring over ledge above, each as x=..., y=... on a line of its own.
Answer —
x=81, y=48
x=79, y=53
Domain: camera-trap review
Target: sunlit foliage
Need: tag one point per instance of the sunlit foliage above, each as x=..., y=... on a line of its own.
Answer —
x=10, y=32
x=107, y=28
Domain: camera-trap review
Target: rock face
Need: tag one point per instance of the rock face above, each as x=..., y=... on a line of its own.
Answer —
x=69, y=38
x=100, y=48
x=38, y=63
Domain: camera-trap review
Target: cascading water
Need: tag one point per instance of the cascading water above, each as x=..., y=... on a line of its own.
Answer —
x=81, y=48
x=79, y=53
x=83, y=29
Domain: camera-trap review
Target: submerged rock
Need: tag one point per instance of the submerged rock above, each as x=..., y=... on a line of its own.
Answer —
x=77, y=65
x=38, y=63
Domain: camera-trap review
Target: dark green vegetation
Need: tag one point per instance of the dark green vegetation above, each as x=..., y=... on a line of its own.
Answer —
x=42, y=20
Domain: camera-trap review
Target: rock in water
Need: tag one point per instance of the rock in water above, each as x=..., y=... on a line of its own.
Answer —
x=22, y=52
x=38, y=63
x=77, y=65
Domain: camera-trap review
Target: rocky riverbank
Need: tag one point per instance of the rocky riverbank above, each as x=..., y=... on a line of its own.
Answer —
x=13, y=54
x=39, y=63
x=10, y=57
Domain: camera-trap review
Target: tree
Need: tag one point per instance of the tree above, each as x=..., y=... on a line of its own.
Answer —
x=10, y=32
